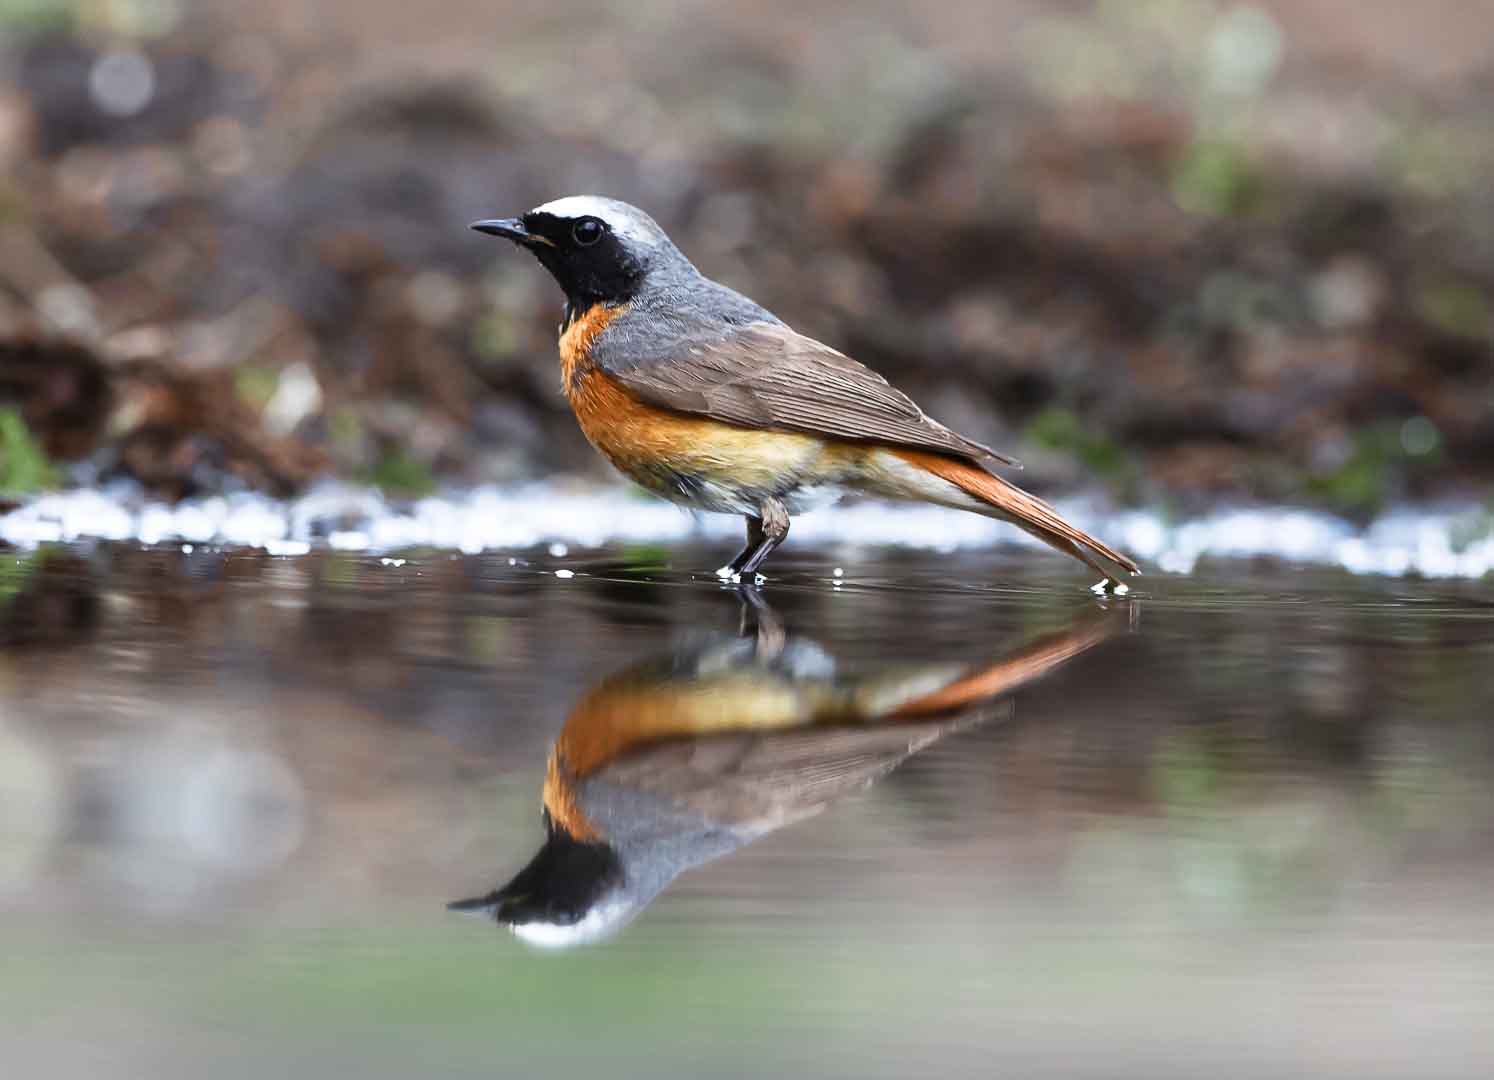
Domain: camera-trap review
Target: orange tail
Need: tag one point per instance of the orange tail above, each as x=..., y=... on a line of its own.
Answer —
x=1027, y=512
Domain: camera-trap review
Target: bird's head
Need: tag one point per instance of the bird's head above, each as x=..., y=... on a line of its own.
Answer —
x=599, y=250
x=571, y=893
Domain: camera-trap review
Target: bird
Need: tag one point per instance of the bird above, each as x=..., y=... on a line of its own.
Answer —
x=683, y=758
x=702, y=396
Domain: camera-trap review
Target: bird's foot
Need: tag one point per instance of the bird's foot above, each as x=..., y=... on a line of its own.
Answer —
x=733, y=576
x=1110, y=587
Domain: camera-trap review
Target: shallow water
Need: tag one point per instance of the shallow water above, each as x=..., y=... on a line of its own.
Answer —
x=1240, y=822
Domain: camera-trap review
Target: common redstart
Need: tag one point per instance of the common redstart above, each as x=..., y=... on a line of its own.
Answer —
x=707, y=399
x=684, y=758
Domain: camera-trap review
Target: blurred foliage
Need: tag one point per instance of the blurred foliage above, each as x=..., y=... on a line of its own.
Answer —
x=1063, y=430
x=128, y=18
x=16, y=570
x=256, y=385
x=639, y=558
x=1380, y=457
x=401, y=474
x=36, y=16
x=1457, y=308
x=1214, y=176
x=24, y=466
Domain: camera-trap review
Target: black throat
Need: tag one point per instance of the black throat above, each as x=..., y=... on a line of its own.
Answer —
x=604, y=274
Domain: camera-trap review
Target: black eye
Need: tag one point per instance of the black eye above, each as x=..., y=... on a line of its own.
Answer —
x=587, y=231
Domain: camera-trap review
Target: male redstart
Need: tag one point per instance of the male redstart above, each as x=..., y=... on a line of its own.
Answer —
x=684, y=758
x=707, y=399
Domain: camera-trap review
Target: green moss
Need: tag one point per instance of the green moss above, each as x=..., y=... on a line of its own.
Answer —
x=1455, y=308
x=345, y=428
x=37, y=16
x=1431, y=160
x=644, y=557
x=15, y=571
x=255, y=386
x=1380, y=454
x=1214, y=177
x=1057, y=428
x=24, y=466
x=399, y=473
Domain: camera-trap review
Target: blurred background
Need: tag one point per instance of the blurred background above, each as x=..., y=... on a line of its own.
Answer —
x=1184, y=250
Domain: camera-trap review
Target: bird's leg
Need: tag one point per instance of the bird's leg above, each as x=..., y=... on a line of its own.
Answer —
x=774, y=525
x=732, y=571
x=761, y=622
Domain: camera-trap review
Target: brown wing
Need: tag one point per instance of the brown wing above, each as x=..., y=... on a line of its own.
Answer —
x=766, y=781
x=766, y=376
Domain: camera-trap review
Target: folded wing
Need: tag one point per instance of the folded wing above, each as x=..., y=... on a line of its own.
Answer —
x=764, y=375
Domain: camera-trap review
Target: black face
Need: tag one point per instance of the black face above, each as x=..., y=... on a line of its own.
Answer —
x=560, y=885
x=591, y=263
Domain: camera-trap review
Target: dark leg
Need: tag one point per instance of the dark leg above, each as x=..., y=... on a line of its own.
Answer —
x=754, y=541
x=761, y=622
x=774, y=526
x=764, y=533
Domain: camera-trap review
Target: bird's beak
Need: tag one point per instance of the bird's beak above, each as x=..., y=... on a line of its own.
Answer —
x=510, y=229
x=479, y=905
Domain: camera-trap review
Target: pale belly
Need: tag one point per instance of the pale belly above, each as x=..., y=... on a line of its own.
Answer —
x=734, y=474
x=709, y=465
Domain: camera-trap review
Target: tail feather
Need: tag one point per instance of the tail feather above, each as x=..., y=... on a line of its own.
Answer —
x=1022, y=509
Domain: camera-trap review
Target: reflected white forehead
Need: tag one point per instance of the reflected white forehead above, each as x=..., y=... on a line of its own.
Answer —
x=626, y=221
x=600, y=922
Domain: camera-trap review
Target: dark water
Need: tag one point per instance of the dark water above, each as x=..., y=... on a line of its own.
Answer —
x=1239, y=824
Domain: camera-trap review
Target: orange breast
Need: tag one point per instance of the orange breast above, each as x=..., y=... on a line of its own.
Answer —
x=655, y=446
x=626, y=711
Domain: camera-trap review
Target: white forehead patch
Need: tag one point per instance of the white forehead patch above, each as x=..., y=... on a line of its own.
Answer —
x=626, y=221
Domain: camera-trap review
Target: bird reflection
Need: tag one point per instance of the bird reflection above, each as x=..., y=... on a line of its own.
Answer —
x=686, y=756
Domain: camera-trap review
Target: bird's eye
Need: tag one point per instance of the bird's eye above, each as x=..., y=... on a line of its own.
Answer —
x=587, y=231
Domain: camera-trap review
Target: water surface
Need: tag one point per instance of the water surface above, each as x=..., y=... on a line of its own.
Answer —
x=1243, y=825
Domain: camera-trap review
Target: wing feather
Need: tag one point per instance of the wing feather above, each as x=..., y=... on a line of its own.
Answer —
x=765, y=375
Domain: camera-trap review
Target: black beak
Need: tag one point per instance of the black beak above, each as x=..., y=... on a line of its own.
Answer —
x=508, y=228
x=479, y=905
x=561, y=882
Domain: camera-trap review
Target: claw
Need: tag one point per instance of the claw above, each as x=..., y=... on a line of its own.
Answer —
x=1109, y=586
